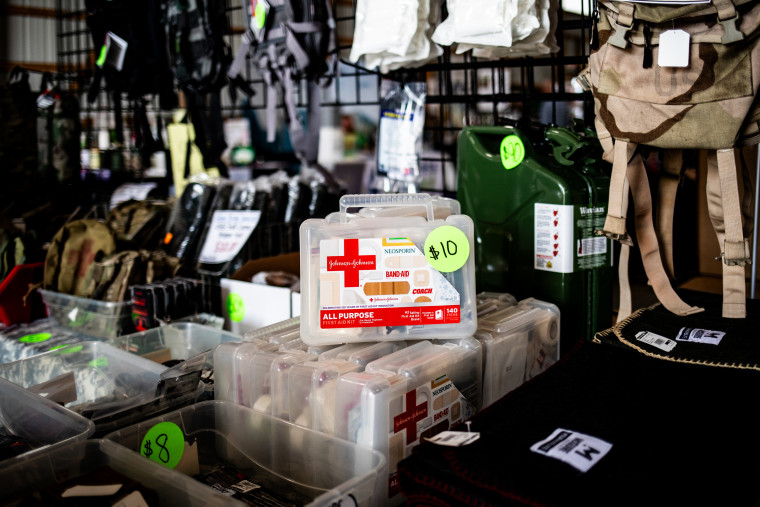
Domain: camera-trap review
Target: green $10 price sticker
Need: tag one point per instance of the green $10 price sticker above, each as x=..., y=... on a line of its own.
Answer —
x=447, y=248
x=164, y=443
x=511, y=151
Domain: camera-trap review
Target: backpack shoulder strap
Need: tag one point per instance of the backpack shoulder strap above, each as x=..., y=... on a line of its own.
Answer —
x=667, y=190
x=647, y=239
x=726, y=216
x=614, y=224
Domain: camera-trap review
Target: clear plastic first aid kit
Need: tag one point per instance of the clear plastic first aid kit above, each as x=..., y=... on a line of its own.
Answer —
x=380, y=276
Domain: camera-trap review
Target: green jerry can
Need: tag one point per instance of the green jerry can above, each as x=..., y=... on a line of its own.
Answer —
x=536, y=206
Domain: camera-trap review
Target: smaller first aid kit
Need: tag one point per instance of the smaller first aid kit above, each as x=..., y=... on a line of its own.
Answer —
x=519, y=342
x=375, y=277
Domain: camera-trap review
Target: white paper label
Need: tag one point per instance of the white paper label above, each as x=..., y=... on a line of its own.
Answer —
x=576, y=449
x=116, y=49
x=674, y=49
x=454, y=438
x=553, y=237
x=94, y=490
x=370, y=282
x=687, y=334
x=397, y=149
x=656, y=340
x=670, y=2
x=245, y=486
x=127, y=191
x=228, y=233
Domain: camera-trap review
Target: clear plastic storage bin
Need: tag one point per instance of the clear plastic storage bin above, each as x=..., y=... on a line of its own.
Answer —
x=110, y=386
x=369, y=278
x=34, y=422
x=292, y=464
x=59, y=468
x=26, y=340
x=176, y=341
x=89, y=316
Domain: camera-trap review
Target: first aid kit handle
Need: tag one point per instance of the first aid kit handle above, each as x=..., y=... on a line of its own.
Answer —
x=385, y=201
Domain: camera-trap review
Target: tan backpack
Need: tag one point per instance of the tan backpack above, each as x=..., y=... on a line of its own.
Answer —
x=711, y=103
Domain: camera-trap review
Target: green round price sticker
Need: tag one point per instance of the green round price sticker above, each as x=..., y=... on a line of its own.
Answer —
x=164, y=443
x=235, y=307
x=512, y=151
x=447, y=248
x=67, y=349
x=35, y=338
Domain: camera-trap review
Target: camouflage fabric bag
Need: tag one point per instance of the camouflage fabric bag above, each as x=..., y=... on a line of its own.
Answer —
x=110, y=278
x=139, y=224
x=709, y=102
x=73, y=250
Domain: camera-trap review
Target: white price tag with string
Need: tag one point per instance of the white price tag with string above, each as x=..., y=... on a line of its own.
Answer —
x=674, y=49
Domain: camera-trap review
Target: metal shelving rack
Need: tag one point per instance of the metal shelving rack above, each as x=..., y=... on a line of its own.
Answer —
x=462, y=90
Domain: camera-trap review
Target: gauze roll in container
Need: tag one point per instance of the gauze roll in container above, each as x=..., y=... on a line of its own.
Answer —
x=369, y=279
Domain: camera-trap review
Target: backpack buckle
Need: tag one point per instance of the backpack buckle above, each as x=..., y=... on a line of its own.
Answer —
x=730, y=32
x=736, y=253
x=623, y=238
x=618, y=38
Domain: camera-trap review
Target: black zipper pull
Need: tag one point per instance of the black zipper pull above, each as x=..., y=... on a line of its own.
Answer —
x=593, y=42
x=647, y=47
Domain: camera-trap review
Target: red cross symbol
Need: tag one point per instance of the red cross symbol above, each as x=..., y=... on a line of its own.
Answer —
x=350, y=262
x=408, y=420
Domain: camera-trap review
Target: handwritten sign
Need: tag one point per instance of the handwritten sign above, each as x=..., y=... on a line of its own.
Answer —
x=228, y=233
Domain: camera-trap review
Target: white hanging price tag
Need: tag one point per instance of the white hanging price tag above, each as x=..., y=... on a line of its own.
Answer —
x=454, y=438
x=228, y=233
x=674, y=49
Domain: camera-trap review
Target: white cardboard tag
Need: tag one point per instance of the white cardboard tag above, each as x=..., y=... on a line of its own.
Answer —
x=670, y=2
x=576, y=449
x=228, y=233
x=116, y=49
x=454, y=438
x=687, y=334
x=674, y=49
x=656, y=340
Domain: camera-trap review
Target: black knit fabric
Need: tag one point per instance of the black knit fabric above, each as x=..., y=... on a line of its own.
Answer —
x=681, y=433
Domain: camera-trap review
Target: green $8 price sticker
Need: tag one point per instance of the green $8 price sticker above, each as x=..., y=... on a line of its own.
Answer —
x=164, y=443
x=511, y=151
x=447, y=248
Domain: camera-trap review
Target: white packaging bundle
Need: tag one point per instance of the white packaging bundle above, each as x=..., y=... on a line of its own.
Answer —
x=395, y=34
x=518, y=27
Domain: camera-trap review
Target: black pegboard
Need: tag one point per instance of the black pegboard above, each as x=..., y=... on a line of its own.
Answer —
x=462, y=90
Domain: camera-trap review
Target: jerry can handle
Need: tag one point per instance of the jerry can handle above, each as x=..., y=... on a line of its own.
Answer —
x=565, y=142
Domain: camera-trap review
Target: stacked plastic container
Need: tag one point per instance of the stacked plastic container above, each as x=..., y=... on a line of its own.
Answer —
x=282, y=464
x=173, y=342
x=25, y=340
x=100, y=319
x=29, y=423
x=413, y=393
x=519, y=341
x=107, y=385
